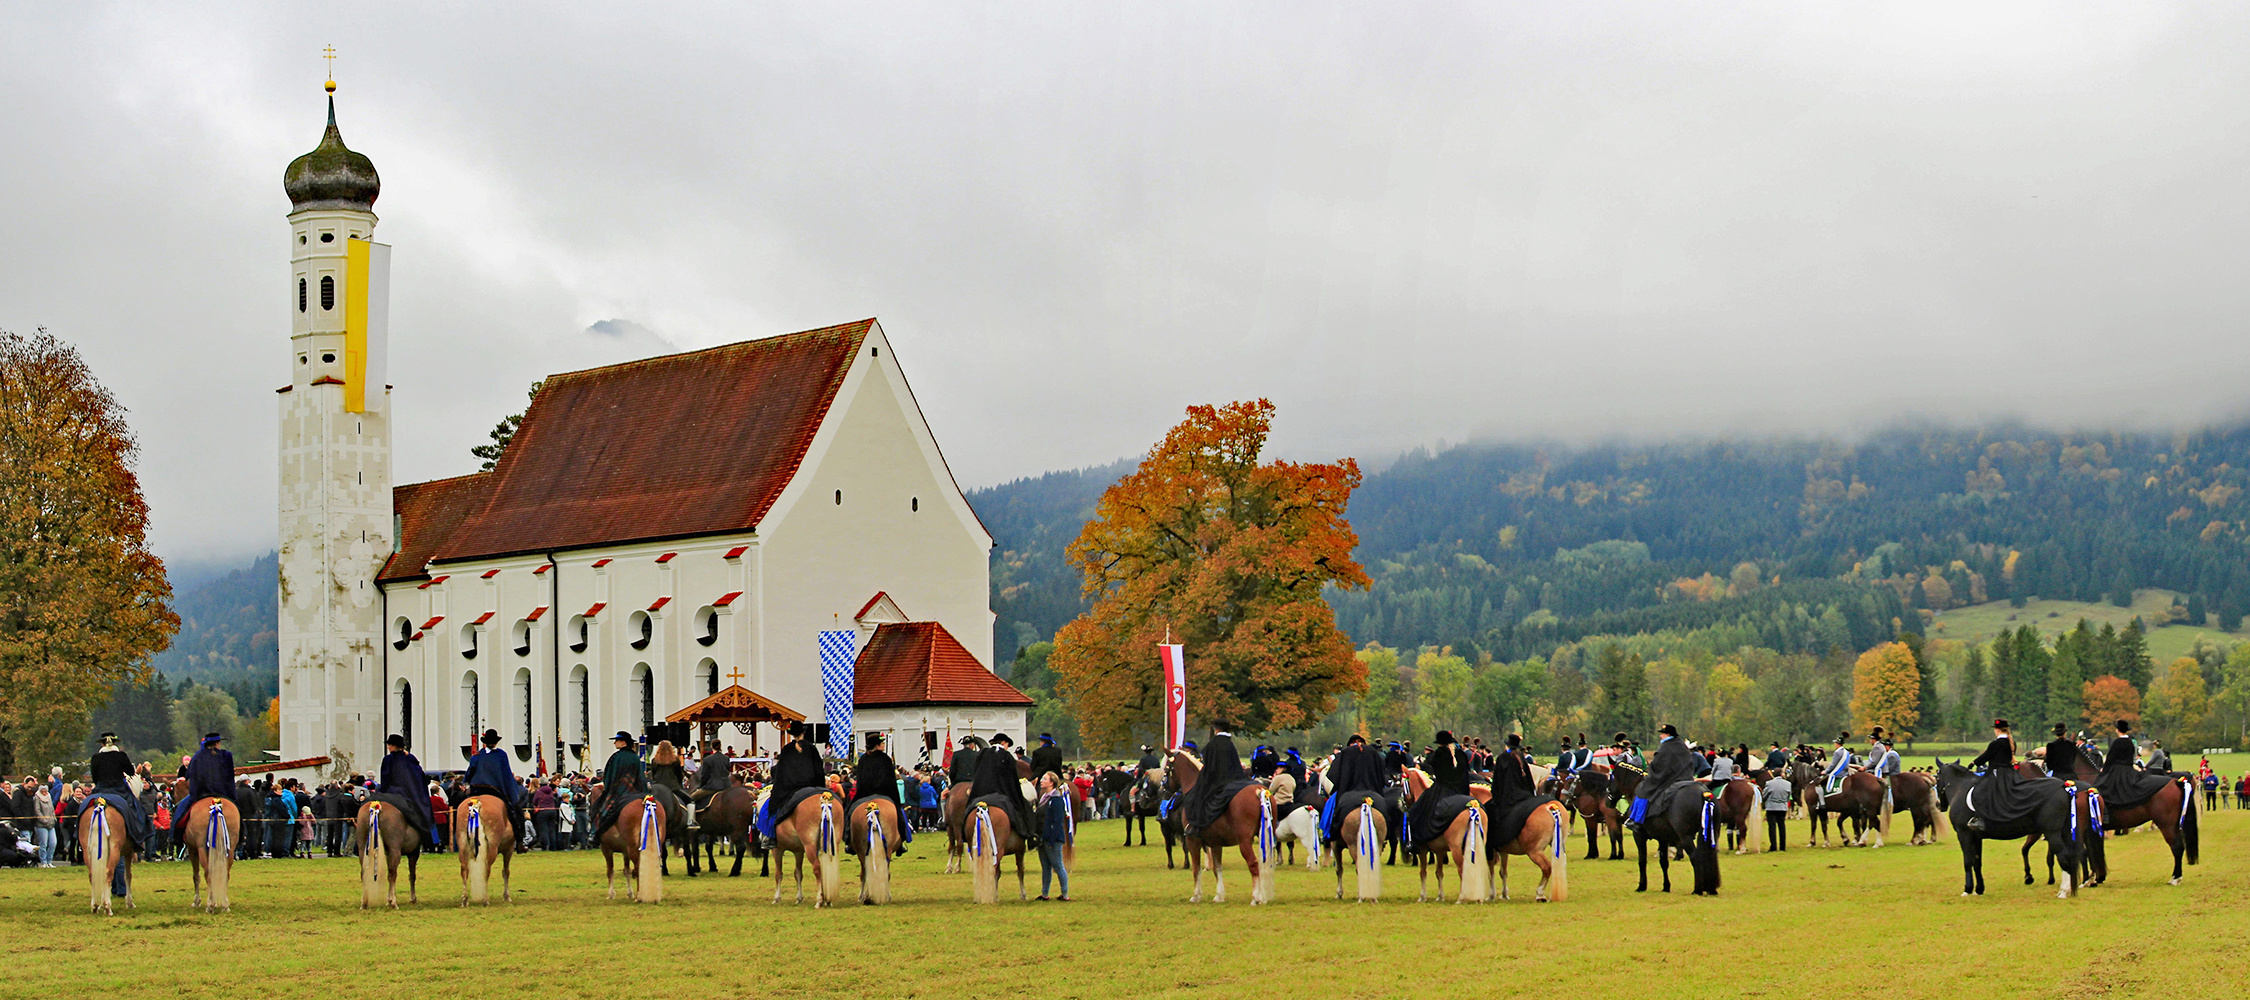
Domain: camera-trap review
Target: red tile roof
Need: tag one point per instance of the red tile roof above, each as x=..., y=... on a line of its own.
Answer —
x=690, y=444
x=920, y=663
x=428, y=513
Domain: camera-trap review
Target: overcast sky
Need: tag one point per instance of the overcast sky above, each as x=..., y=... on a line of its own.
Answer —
x=1404, y=223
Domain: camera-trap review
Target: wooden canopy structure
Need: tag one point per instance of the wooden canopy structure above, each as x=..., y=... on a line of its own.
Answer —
x=739, y=705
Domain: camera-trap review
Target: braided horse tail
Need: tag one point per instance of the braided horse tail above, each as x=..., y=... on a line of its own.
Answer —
x=371, y=858
x=984, y=854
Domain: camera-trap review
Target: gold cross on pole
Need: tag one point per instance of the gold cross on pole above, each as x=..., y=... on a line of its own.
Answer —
x=736, y=674
x=328, y=52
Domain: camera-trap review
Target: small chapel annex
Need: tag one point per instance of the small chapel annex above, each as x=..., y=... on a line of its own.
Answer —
x=658, y=532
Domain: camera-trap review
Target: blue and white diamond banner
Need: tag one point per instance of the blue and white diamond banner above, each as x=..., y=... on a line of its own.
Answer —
x=838, y=651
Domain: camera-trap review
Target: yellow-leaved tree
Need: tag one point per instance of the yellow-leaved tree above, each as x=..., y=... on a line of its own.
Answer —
x=83, y=602
x=1886, y=689
x=1228, y=555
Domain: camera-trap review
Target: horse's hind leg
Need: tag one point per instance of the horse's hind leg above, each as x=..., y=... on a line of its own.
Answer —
x=413, y=879
x=2027, y=842
x=507, y=861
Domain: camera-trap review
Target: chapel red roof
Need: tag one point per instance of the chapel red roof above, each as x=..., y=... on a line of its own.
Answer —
x=690, y=444
x=427, y=513
x=920, y=663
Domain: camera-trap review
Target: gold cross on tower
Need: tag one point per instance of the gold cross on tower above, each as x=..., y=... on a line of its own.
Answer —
x=736, y=675
x=328, y=52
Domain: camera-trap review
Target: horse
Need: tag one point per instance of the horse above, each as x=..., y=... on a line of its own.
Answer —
x=814, y=830
x=675, y=829
x=210, y=831
x=1587, y=794
x=728, y=813
x=384, y=837
x=1142, y=801
x=2171, y=810
x=1360, y=833
x=1688, y=823
x=1463, y=842
x=1917, y=794
x=1859, y=799
x=992, y=836
x=956, y=808
x=1545, y=839
x=874, y=838
x=1301, y=826
x=1738, y=802
x=108, y=852
x=1246, y=823
x=482, y=835
x=638, y=834
x=2052, y=820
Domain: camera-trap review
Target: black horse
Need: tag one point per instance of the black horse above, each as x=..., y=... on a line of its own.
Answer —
x=2051, y=817
x=1142, y=801
x=1681, y=819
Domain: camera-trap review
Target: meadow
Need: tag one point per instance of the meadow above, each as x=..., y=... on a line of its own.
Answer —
x=1853, y=922
x=1978, y=623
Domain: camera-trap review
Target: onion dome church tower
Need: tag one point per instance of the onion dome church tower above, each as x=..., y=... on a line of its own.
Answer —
x=335, y=503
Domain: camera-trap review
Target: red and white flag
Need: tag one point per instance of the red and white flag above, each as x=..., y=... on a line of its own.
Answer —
x=1174, y=658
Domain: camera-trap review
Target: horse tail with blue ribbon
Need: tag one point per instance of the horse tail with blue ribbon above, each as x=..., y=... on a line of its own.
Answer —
x=98, y=859
x=1476, y=876
x=1261, y=887
x=875, y=865
x=371, y=861
x=648, y=874
x=475, y=848
x=825, y=839
x=218, y=854
x=1558, y=872
x=984, y=856
x=1368, y=852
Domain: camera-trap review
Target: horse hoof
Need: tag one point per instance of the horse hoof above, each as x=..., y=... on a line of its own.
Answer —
x=2173, y=882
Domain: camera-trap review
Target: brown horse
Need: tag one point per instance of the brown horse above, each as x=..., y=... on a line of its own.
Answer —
x=638, y=834
x=874, y=838
x=992, y=836
x=1246, y=823
x=727, y=813
x=210, y=831
x=1545, y=839
x=1917, y=794
x=108, y=851
x=956, y=810
x=1360, y=835
x=2172, y=811
x=384, y=837
x=481, y=835
x=1587, y=794
x=1463, y=843
x=1738, y=802
x=813, y=831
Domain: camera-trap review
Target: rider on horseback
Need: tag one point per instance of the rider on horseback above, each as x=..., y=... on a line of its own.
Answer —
x=111, y=767
x=997, y=775
x=491, y=774
x=796, y=768
x=209, y=774
x=1047, y=759
x=624, y=778
x=2062, y=754
x=408, y=788
x=1839, y=764
x=1448, y=767
x=1673, y=763
x=1355, y=775
x=668, y=770
x=877, y=777
x=714, y=774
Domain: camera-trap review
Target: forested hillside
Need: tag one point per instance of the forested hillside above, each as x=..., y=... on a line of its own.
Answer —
x=1808, y=551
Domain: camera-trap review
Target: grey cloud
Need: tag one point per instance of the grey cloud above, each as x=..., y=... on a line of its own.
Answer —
x=1401, y=222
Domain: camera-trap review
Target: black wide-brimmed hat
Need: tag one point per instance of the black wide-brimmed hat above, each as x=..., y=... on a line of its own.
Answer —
x=2000, y=724
x=1003, y=739
x=210, y=738
x=2060, y=728
x=622, y=736
x=395, y=740
x=1667, y=730
x=491, y=737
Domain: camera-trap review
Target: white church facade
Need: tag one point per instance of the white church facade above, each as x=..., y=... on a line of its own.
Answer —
x=655, y=532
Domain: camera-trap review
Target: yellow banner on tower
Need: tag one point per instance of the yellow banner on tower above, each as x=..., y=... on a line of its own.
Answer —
x=367, y=323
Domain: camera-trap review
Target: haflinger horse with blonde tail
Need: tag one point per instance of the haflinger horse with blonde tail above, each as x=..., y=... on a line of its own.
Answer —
x=482, y=835
x=108, y=851
x=1544, y=837
x=638, y=834
x=813, y=831
x=992, y=836
x=210, y=831
x=1360, y=835
x=874, y=838
x=1246, y=824
x=1464, y=842
x=385, y=836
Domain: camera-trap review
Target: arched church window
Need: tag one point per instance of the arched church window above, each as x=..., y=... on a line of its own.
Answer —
x=707, y=626
x=578, y=633
x=523, y=637
x=327, y=292
x=406, y=712
x=914, y=503
x=523, y=702
x=405, y=633
x=300, y=295
x=645, y=627
x=839, y=498
x=646, y=685
x=468, y=642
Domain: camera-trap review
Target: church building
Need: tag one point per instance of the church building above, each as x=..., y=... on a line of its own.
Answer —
x=766, y=524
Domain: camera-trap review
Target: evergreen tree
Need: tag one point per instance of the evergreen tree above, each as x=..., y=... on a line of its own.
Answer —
x=2196, y=610
x=1623, y=704
x=2066, y=677
x=139, y=712
x=2121, y=589
x=2132, y=655
x=1968, y=705
x=2027, y=691
x=1925, y=699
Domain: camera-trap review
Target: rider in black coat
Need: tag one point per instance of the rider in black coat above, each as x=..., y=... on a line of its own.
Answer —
x=1672, y=763
x=2062, y=755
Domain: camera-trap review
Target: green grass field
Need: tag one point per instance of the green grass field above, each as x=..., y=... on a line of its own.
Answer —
x=1978, y=623
x=1848, y=922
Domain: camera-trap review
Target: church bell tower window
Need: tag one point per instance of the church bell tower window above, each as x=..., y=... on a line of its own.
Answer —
x=327, y=292
x=300, y=295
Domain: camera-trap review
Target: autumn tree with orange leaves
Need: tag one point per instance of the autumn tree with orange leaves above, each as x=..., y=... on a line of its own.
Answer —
x=2109, y=698
x=1886, y=689
x=83, y=602
x=1230, y=557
